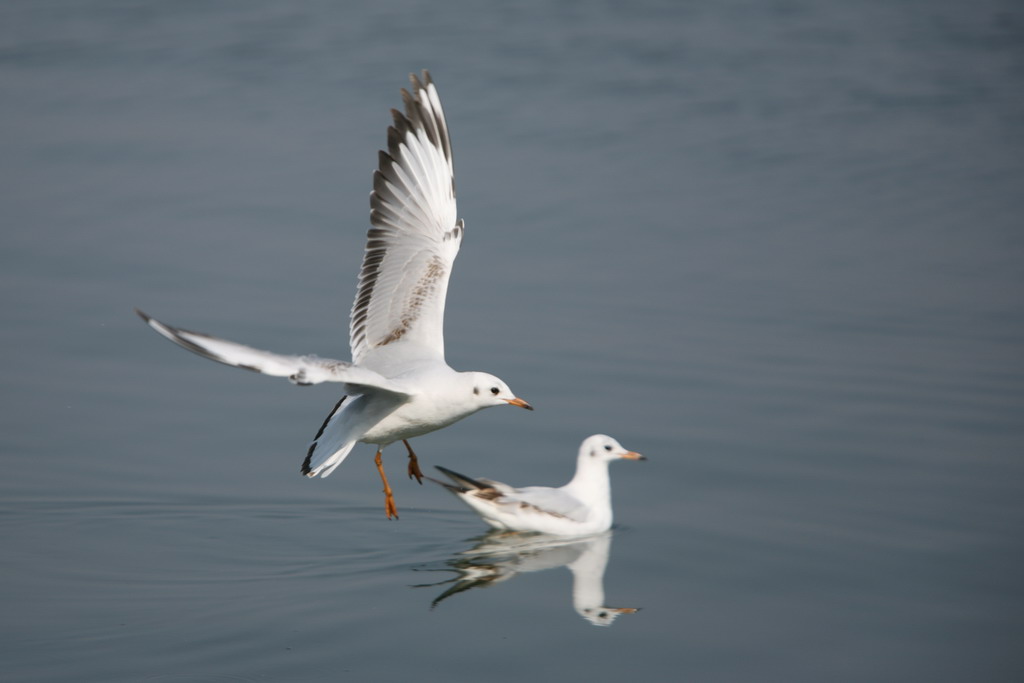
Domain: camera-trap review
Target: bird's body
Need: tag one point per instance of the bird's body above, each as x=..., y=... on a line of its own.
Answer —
x=581, y=507
x=445, y=397
x=398, y=384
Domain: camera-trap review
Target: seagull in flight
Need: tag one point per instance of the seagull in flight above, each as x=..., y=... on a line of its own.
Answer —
x=581, y=507
x=397, y=385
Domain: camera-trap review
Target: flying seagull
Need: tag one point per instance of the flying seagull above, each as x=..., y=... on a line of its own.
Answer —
x=398, y=384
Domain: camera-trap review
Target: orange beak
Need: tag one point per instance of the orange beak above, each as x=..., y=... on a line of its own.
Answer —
x=519, y=402
x=633, y=456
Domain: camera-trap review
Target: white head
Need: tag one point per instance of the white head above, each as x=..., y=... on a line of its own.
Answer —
x=604, y=616
x=603, y=448
x=488, y=390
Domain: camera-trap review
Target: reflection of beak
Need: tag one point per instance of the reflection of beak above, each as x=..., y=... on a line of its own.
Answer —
x=633, y=456
x=519, y=402
x=624, y=610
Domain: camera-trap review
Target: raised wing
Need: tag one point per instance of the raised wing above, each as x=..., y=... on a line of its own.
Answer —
x=298, y=369
x=415, y=235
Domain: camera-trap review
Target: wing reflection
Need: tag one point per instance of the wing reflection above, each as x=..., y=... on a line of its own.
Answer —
x=500, y=555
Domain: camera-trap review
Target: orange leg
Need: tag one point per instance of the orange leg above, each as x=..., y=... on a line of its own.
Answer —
x=389, y=500
x=414, y=464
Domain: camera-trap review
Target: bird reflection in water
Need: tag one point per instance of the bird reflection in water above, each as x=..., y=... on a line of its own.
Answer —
x=500, y=555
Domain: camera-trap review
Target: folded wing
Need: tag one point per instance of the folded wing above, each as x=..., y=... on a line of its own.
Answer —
x=492, y=498
x=548, y=501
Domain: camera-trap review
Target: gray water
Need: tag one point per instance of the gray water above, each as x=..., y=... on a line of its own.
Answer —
x=774, y=246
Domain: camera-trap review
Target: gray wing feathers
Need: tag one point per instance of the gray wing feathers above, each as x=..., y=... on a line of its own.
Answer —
x=551, y=501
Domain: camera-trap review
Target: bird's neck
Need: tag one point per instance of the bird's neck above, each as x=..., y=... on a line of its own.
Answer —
x=591, y=481
x=588, y=573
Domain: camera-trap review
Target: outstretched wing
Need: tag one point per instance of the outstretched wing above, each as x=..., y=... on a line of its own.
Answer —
x=298, y=369
x=415, y=235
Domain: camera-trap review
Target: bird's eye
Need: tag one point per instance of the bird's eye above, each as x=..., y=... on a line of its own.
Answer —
x=607, y=447
x=476, y=391
x=494, y=390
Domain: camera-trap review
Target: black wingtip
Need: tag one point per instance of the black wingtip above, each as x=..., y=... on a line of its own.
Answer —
x=145, y=318
x=450, y=487
x=461, y=478
x=306, y=469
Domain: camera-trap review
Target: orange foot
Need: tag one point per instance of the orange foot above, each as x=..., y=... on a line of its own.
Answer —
x=414, y=464
x=389, y=506
x=389, y=500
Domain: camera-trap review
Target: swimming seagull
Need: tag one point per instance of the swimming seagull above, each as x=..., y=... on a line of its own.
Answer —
x=398, y=384
x=581, y=507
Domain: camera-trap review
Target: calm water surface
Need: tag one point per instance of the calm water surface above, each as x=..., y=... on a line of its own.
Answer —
x=776, y=247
